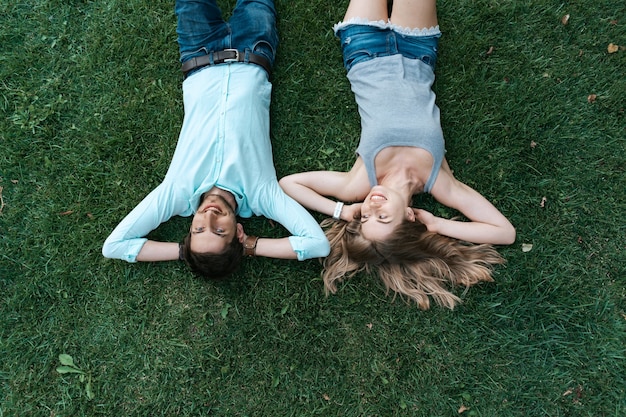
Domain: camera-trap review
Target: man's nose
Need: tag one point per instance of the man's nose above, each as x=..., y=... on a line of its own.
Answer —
x=210, y=214
x=207, y=219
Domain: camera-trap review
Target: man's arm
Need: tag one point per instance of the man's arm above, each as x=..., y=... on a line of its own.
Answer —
x=127, y=241
x=307, y=238
x=275, y=248
x=153, y=251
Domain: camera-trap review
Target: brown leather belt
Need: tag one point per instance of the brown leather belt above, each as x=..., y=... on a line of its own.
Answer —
x=224, y=57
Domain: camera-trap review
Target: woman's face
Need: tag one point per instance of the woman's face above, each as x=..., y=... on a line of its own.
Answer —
x=383, y=209
x=213, y=226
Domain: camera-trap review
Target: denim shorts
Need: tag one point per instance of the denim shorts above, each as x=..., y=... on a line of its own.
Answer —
x=362, y=40
x=202, y=30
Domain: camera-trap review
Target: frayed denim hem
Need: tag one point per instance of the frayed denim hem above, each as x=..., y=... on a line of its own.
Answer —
x=432, y=31
x=361, y=21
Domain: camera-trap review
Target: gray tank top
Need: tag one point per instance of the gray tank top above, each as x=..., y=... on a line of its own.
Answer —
x=397, y=107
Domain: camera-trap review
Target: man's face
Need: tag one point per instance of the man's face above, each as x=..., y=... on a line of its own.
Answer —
x=213, y=226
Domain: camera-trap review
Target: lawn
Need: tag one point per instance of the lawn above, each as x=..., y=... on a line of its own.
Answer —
x=533, y=99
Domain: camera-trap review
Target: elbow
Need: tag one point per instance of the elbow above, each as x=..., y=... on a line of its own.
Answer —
x=107, y=250
x=509, y=235
x=325, y=250
x=111, y=248
x=124, y=249
x=320, y=250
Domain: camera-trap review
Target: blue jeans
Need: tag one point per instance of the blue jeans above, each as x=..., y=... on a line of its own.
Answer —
x=362, y=42
x=202, y=30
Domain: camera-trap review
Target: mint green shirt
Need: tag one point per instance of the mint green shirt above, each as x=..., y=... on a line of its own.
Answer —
x=224, y=142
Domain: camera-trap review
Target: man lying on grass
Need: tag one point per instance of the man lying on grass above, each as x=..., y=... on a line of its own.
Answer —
x=222, y=166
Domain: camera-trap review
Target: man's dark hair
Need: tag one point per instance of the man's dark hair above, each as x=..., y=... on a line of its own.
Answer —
x=210, y=265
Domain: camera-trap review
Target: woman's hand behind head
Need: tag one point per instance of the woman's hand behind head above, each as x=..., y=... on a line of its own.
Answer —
x=351, y=212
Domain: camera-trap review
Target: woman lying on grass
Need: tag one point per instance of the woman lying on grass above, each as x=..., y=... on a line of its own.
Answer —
x=390, y=63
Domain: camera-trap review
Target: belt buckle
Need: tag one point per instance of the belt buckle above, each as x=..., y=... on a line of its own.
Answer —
x=235, y=59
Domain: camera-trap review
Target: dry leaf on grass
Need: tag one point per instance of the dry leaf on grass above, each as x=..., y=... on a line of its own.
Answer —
x=1, y=200
x=543, y=202
x=591, y=98
x=578, y=391
x=527, y=247
x=326, y=397
x=565, y=19
x=463, y=409
x=65, y=213
x=612, y=48
x=533, y=144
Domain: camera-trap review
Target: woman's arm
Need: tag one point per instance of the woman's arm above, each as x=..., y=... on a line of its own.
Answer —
x=487, y=225
x=312, y=189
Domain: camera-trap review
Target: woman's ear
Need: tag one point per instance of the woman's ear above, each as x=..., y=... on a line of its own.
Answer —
x=410, y=214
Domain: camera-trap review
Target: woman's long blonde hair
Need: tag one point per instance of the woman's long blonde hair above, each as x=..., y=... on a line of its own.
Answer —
x=415, y=263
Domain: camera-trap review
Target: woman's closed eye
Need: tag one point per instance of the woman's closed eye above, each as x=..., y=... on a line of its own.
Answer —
x=379, y=217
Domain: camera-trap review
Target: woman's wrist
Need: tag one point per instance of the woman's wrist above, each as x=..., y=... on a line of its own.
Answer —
x=338, y=210
x=435, y=225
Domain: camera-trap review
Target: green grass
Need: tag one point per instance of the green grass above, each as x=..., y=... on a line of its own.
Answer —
x=90, y=109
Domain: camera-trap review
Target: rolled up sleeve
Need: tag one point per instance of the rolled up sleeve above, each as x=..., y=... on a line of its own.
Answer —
x=307, y=237
x=127, y=239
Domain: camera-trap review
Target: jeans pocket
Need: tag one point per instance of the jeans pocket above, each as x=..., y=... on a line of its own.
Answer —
x=265, y=49
x=356, y=57
x=185, y=56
